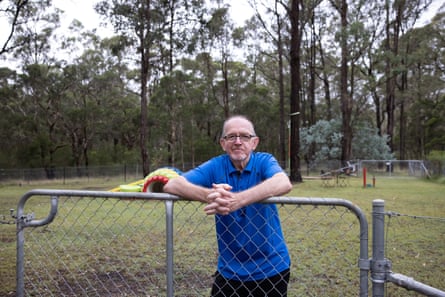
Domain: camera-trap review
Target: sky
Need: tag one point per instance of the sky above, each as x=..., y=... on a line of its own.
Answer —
x=240, y=11
x=83, y=11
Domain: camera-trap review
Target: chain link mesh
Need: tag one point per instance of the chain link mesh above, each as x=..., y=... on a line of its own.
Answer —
x=117, y=247
x=7, y=252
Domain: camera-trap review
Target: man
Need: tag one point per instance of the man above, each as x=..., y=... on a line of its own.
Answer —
x=253, y=256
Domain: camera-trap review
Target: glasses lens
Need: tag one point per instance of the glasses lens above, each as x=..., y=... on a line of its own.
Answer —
x=243, y=138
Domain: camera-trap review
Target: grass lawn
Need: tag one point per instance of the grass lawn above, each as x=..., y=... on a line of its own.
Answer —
x=415, y=241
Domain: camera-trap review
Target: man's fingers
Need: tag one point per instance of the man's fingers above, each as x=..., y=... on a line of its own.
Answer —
x=212, y=196
x=226, y=187
x=214, y=208
x=211, y=206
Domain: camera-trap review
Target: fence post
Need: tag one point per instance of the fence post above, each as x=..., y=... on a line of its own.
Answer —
x=22, y=222
x=169, y=246
x=364, y=177
x=379, y=264
x=20, y=270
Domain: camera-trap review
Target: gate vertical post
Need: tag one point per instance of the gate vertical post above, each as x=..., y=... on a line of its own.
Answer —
x=169, y=246
x=20, y=270
x=379, y=264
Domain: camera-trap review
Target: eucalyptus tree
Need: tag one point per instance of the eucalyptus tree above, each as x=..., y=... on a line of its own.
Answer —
x=135, y=21
x=274, y=31
x=34, y=31
x=217, y=39
x=327, y=137
x=40, y=103
x=150, y=27
x=12, y=11
x=401, y=16
x=183, y=134
x=183, y=20
x=41, y=88
x=295, y=89
x=342, y=7
x=97, y=102
x=33, y=36
x=10, y=121
x=311, y=60
x=120, y=101
x=425, y=101
x=404, y=90
x=369, y=63
x=278, y=33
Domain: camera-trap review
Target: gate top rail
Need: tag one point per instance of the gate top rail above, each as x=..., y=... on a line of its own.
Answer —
x=102, y=194
x=54, y=194
x=27, y=221
x=166, y=196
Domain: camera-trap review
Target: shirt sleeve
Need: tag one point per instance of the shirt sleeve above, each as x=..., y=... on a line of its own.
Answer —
x=270, y=166
x=201, y=175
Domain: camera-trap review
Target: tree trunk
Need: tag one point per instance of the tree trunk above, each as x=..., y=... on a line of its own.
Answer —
x=390, y=77
x=326, y=84
x=345, y=98
x=312, y=73
x=224, y=70
x=283, y=117
x=378, y=113
x=144, y=48
x=402, y=120
x=295, y=64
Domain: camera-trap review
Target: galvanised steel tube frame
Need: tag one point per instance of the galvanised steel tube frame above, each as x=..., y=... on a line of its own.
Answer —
x=381, y=267
x=411, y=284
x=363, y=263
x=379, y=264
x=22, y=223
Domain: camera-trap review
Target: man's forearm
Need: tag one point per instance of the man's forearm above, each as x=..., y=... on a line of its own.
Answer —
x=181, y=187
x=222, y=201
x=277, y=185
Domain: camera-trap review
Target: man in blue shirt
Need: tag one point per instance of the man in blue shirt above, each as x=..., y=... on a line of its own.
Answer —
x=253, y=257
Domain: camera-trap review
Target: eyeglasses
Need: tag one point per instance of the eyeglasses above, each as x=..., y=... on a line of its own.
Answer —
x=243, y=138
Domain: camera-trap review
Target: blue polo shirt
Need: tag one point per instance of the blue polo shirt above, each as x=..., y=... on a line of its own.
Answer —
x=251, y=244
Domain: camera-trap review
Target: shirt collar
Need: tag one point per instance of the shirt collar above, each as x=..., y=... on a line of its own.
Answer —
x=248, y=167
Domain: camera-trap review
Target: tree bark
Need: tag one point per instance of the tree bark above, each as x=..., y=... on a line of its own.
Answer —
x=295, y=64
x=145, y=67
x=345, y=98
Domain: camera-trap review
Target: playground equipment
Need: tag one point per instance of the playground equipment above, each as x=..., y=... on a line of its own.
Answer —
x=338, y=175
x=350, y=169
x=154, y=182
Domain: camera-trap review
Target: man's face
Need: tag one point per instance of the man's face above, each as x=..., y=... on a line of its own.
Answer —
x=239, y=141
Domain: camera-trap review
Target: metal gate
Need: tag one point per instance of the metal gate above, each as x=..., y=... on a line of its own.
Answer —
x=95, y=243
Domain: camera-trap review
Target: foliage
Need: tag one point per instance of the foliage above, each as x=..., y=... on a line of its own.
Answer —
x=437, y=156
x=325, y=139
x=368, y=145
x=73, y=98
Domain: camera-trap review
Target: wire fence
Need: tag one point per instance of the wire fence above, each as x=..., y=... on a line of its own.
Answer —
x=398, y=168
x=117, y=247
x=98, y=245
x=64, y=175
x=415, y=244
x=7, y=253
x=128, y=172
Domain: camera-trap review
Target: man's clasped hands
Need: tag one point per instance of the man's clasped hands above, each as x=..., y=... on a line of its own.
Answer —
x=221, y=200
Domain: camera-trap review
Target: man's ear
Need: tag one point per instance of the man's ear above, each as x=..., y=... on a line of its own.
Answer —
x=221, y=143
x=256, y=141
